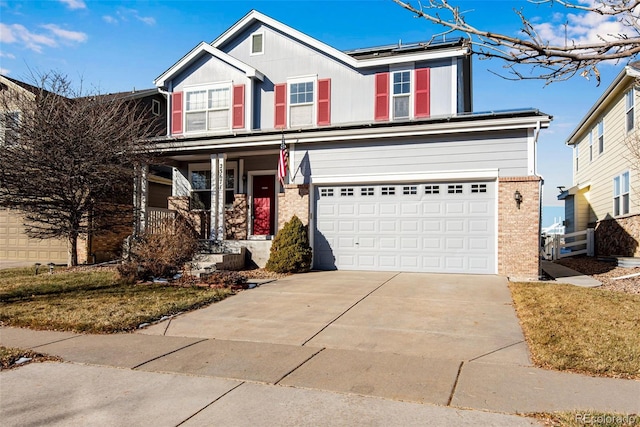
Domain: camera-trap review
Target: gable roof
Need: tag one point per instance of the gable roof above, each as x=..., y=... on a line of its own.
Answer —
x=359, y=58
x=622, y=80
x=427, y=50
x=197, y=52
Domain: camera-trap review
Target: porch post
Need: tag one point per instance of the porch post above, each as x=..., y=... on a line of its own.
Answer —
x=140, y=194
x=144, y=196
x=213, y=212
x=221, y=185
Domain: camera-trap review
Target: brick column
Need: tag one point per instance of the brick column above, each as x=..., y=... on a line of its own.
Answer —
x=519, y=228
x=294, y=201
x=236, y=219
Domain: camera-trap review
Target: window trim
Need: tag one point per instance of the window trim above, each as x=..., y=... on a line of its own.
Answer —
x=409, y=95
x=204, y=167
x=256, y=33
x=600, y=127
x=228, y=85
x=619, y=194
x=7, y=129
x=314, y=102
x=591, y=146
x=630, y=94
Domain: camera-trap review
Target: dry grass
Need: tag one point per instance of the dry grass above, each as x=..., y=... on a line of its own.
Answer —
x=582, y=418
x=92, y=301
x=9, y=356
x=579, y=329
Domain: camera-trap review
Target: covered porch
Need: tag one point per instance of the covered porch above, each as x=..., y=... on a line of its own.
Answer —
x=233, y=198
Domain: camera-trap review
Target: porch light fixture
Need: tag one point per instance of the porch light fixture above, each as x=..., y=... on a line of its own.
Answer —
x=517, y=196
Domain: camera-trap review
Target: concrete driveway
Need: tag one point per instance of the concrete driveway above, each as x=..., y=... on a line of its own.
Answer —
x=458, y=317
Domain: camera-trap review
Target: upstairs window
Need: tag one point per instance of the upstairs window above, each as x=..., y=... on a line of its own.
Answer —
x=591, y=146
x=301, y=103
x=601, y=136
x=207, y=109
x=629, y=110
x=401, y=94
x=576, y=154
x=9, y=127
x=621, y=194
x=257, y=43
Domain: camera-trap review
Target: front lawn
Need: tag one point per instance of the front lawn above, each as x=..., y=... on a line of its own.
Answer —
x=92, y=300
x=584, y=330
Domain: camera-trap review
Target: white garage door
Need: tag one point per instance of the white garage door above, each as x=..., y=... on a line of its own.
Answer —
x=428, y=227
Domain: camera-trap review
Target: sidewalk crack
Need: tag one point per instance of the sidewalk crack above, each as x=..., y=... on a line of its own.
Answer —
x=209, y=404
x=347, y=310
x=495, y=351
x=455, y=384
x=299, y=366
x=166, y=354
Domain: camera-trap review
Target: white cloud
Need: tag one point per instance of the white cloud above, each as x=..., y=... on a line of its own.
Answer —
x=74, y=4
x=146, y=19
x=73, y=36
x=7, y=55
x=5, y=71
x=109, y=19
x=125, y=15
x=19, y=34
x=581, y=28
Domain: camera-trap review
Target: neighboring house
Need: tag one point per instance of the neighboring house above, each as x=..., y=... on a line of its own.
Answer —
x=388, y=165
x=605, y=175
x=14, y=243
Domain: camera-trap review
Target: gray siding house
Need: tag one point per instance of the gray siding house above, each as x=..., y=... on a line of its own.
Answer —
x=387, y=162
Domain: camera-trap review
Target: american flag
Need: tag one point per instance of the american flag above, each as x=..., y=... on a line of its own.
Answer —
x=283, y=162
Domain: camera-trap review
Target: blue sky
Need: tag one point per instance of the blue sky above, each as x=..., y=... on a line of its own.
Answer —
x=120, y=45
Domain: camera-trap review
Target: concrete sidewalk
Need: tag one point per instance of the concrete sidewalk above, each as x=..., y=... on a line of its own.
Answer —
x=564, y=274
x=330, y=348
x=164, y=380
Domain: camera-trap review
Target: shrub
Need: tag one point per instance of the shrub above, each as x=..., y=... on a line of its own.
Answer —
x=290, y=251
x=160, y=255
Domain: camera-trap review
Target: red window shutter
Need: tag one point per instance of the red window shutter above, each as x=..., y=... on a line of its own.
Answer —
x=422, y=96
x=238, y=107
x=176, y=113
x=324, y=102
x=281, y=106
x=382, y=97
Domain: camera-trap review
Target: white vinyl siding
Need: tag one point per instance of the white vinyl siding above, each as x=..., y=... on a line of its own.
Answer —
x=599, y=174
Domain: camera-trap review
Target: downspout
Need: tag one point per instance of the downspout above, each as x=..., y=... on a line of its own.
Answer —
x=540, y=184
x=168, y=95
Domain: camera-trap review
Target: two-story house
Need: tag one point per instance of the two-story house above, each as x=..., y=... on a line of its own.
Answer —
x=388, y=165
x=15, y=244
x=605, y=169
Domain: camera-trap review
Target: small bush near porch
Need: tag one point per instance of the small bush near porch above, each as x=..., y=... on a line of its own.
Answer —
x=290, y=251
x=92, y=300
x=586, y=330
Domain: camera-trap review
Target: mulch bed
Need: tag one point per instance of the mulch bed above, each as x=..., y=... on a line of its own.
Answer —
x=605, y=272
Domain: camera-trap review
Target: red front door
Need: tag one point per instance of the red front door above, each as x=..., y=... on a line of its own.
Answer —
x=264, y=206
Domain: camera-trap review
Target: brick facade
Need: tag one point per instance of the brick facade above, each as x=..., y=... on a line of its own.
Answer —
x=294, y=201
x=519, y=229
x=236, y=219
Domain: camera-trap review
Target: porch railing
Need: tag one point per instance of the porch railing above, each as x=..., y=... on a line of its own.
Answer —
x=559, y=246
x=160, y=220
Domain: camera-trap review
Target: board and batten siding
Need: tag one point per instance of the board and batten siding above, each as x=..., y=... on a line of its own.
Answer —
x=502, y=151
x=352, y=91
x=601, y=170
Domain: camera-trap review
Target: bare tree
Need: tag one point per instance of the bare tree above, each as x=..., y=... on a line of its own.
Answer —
x=546, y=56
x=66, y=159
